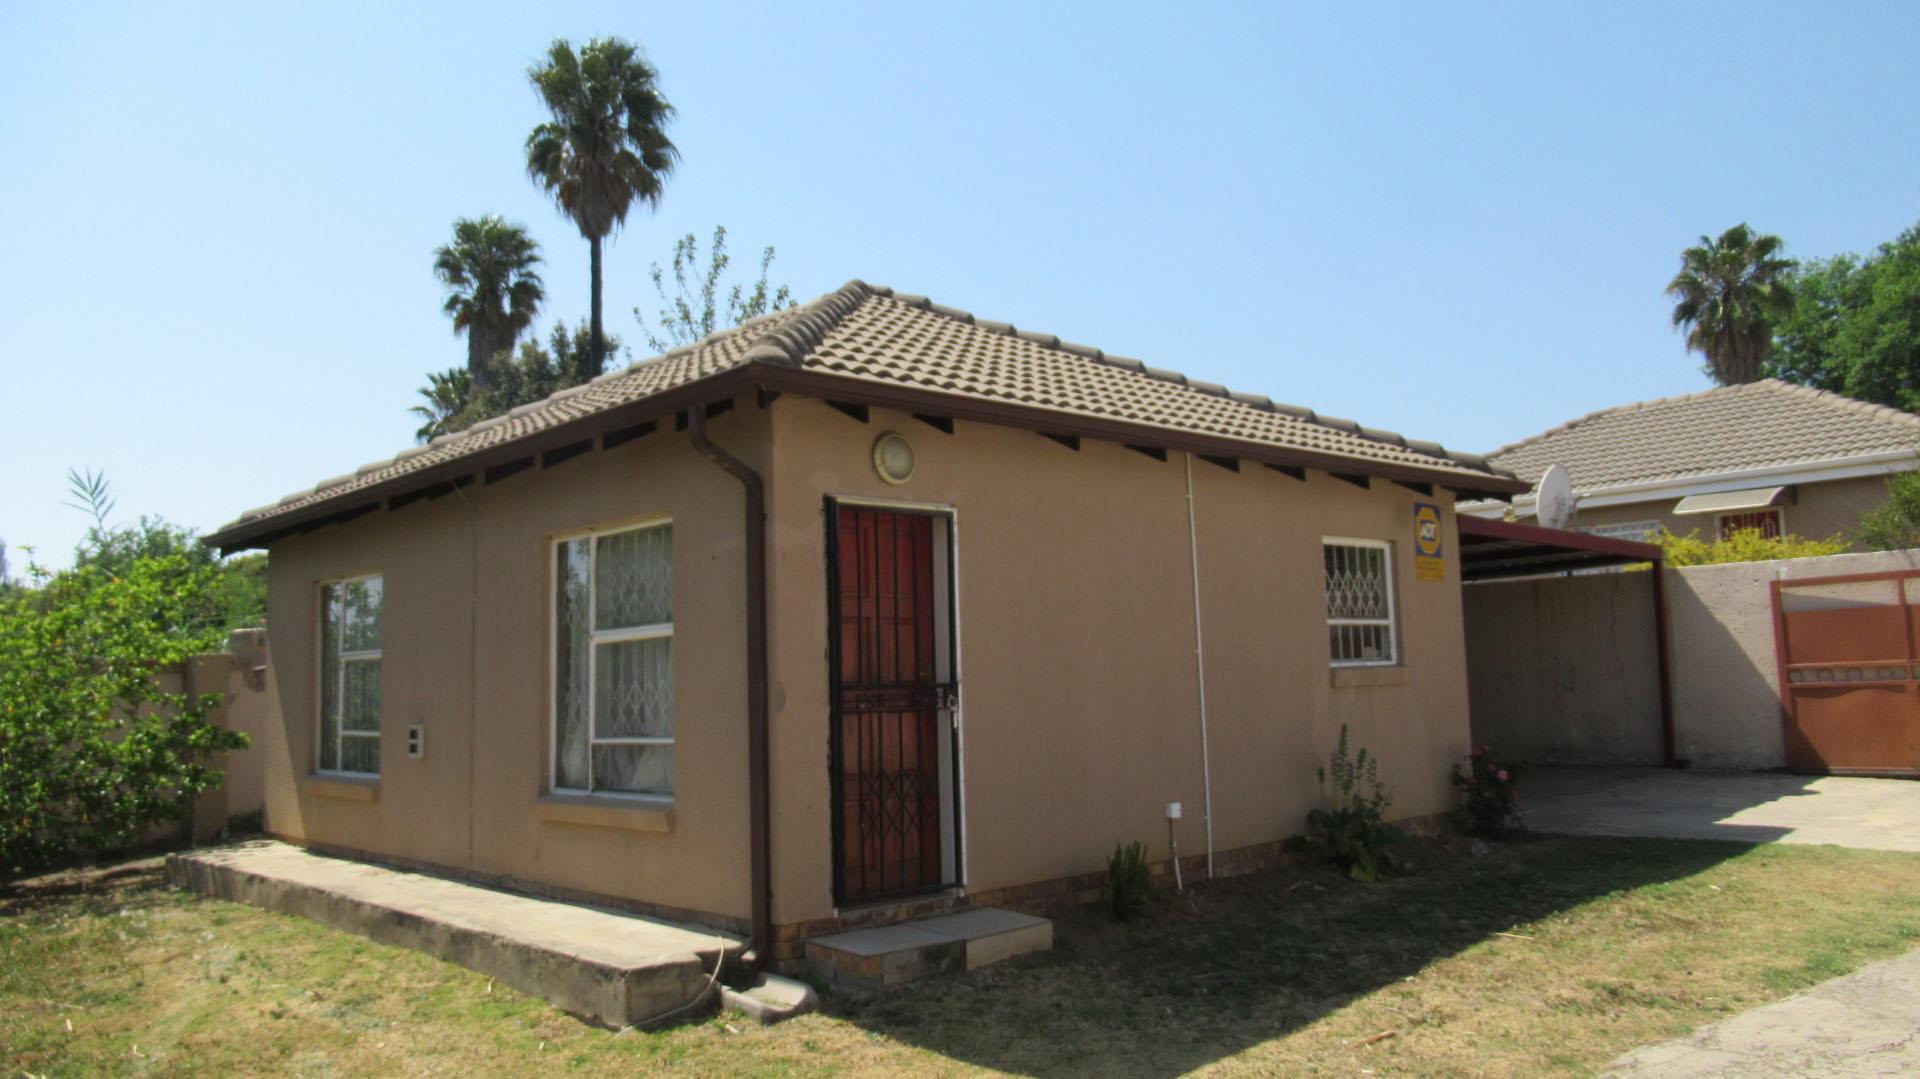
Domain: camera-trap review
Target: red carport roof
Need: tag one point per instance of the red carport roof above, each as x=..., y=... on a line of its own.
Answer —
x=1491, y=549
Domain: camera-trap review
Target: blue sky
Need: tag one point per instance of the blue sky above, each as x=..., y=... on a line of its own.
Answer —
x=1449, y=220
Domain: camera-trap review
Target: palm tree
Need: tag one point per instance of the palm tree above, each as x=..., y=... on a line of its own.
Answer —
x=447, y=401
x=493, y=290
x=1729, y=292
x=605, y=146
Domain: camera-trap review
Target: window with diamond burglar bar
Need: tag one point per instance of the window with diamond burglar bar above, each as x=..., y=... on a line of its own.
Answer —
x=613, y=662
x=1360, y=616
x=350, y=649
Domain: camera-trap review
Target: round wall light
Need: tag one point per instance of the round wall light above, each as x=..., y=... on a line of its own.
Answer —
x=893, y=457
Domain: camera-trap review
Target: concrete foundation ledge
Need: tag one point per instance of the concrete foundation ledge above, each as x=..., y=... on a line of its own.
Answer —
x=615, y=969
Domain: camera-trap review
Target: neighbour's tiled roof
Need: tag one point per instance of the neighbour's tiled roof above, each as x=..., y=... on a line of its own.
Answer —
x=1754, y=425
x=871, y=333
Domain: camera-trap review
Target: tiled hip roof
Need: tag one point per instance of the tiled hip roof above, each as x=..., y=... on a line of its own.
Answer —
x=869, y=335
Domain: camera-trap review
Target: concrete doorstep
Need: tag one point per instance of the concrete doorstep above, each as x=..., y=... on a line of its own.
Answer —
x=615, y=969
x=871, y=959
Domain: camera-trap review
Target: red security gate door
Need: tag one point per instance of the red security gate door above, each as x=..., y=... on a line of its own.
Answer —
x=887, y=699
x=1849, y=656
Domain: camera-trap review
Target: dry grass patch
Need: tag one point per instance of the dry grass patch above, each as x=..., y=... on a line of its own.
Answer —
x=1551, y=955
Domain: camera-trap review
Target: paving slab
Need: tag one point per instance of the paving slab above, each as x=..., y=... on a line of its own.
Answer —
x=1866, y=1023
x=771, y=998
x=613, y=968
x=1750, y=807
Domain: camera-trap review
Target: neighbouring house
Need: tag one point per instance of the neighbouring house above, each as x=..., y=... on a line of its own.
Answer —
x=859, y=609
x=1768, y=455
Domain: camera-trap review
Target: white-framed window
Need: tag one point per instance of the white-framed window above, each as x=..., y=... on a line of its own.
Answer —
x=1637, y=531
x=613, y=661
x=350, y=645
x=1360, y=617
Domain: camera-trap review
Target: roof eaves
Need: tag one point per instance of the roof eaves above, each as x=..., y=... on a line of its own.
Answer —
x=890, y=393
x=1474, y=461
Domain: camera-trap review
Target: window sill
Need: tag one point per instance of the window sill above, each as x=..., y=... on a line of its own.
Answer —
x=1370, y=676
x=343, y=788
x=593, y=812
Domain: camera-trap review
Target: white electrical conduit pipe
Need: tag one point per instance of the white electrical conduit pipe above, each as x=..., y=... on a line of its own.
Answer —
x=1200, y=671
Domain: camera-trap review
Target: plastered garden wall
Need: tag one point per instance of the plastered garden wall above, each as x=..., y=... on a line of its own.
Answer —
x=1563, y=670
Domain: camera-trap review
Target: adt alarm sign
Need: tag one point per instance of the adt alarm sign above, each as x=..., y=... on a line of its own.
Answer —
x=1427, y=563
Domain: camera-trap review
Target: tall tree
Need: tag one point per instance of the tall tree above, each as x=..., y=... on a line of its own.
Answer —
x=1855, y=325
x=696, y=306
x=450, y=403
x=606, y=146
x=1728, y=294
x=493, y=290
x=446, y=404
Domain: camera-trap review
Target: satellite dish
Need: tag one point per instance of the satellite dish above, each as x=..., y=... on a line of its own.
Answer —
x=1553, y=498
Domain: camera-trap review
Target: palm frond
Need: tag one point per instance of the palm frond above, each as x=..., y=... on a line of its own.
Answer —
x=1728, y=293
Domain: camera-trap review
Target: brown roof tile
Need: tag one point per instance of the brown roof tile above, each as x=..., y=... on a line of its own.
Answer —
x=870, y=333
x=1755, y=425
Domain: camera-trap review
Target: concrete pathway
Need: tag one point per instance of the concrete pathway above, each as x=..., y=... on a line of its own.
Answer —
x=1751, y=807
x=1867, y=1023
x=617, y=969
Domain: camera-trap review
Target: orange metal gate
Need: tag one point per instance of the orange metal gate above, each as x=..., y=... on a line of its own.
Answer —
x=1849, y=666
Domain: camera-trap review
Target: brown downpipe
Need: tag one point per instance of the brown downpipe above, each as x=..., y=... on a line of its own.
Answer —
x=757, y=773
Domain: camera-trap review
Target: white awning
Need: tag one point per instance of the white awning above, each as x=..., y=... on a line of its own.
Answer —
x=1732, y=501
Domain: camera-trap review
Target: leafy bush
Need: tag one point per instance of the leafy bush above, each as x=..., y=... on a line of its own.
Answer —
x=1351, y=829
x=1894, y=525
x=1488, y=804
x=91, y=751
x=1745, y=545
x=1128, y=885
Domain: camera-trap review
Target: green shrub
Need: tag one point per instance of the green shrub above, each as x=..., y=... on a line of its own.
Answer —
x=1350, y=830
x=1488, y=804
x=91, y=751
x=1745, y=545
x=1128, y=886
x=1894, y=525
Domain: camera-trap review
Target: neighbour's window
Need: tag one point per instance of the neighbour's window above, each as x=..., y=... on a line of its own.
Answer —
x=613, y=662
x=350, y=676
x=1767, y=521
x=1360, y=625
x=1637, y=531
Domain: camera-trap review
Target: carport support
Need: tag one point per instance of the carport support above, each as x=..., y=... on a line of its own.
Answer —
x=1669, y=749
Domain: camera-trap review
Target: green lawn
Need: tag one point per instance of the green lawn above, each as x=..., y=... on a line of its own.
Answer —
x=1550, y=955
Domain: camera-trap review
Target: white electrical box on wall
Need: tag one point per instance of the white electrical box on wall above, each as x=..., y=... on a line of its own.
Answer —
x=416, y=741
x=1173, y=810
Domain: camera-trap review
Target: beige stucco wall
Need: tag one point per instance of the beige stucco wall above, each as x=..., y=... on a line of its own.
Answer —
x=1079, y=708
x=1819, y=510
x=243, y=707
x=1726, y=692
x=1563, y=669
x=247, y=712
x=1075, y=611
x=466, y=654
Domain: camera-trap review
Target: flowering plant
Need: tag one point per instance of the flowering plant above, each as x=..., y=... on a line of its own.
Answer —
x=1351, y=829
x=1488, y=803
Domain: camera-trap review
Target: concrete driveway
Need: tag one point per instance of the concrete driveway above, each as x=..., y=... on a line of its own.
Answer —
x=1749, y=807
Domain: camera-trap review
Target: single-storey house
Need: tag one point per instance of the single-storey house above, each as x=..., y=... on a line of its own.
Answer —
x=859, y=609
x=1768, y=455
